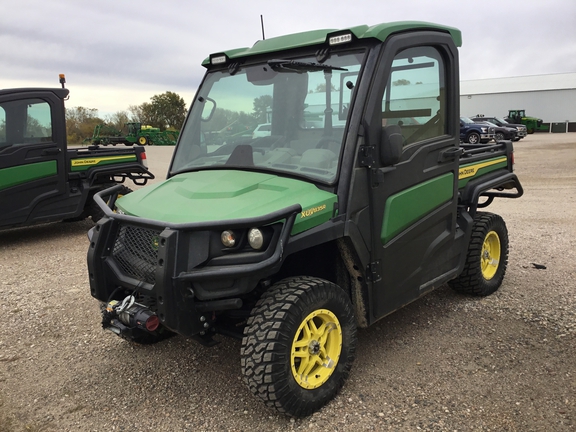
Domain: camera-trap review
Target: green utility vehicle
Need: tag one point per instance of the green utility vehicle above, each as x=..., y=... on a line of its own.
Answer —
x=41, y=180
x=532, y=124
x=136, y=134
x=359, y=201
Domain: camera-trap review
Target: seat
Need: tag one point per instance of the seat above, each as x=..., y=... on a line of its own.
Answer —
x=318, y=158
x=241, y=156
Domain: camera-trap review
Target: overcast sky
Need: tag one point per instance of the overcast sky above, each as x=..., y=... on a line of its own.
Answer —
x=117, y=53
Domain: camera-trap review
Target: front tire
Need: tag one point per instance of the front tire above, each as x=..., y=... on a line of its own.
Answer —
x=487, y=257
x=299, y=345
x=473, y=138
x=499, y=137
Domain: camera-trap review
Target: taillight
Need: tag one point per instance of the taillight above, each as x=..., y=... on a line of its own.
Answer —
x=152, y=323
x=144, y=159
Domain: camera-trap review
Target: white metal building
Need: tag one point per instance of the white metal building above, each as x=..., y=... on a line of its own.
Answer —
x=551, y=98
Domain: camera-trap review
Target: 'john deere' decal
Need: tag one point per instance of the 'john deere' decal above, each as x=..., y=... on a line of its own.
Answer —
x=85, y=163
x=471, y=170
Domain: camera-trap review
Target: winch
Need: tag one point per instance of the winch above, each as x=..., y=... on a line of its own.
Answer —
x=127, y=318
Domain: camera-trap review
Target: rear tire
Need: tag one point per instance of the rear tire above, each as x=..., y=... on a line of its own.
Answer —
x=299, y=345
x=487, y=257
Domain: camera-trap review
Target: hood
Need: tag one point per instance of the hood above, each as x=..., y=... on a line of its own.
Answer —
x=219, y=195
x=514, y=125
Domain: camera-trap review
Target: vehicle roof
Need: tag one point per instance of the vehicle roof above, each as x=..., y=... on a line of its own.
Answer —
x=60, y=92
x=315, y=37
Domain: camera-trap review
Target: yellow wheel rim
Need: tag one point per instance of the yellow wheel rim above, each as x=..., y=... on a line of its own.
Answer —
x=316, y=349
x=142, y=140
x=490, y=258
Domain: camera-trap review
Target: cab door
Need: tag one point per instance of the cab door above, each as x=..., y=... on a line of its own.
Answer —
x=414, y=198
x=32, y=156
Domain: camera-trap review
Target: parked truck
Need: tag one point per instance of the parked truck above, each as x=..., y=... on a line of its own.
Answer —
x=521, y=131
x=41, y=179
x=474, y=133
x=292, y=240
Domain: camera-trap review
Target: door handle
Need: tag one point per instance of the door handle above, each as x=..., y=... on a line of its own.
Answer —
x=51, y=152
x=450, y=154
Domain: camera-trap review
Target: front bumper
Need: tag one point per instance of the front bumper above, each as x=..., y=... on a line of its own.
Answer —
x=177, y=267
x=487, y=136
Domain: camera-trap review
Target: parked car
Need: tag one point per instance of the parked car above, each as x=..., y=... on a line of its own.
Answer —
x=262, y=130
x=521, y=131
x=475, y=133
x=501, y=133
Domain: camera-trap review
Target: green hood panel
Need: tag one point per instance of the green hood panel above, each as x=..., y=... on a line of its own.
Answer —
x=206, y=196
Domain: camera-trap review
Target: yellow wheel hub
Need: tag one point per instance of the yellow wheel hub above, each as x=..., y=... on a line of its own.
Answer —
x=142, y=140
x=490, y=258
x=316, y=349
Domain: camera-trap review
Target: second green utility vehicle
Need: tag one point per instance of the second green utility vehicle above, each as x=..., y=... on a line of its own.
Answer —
x=42, y=179
x=358, y=201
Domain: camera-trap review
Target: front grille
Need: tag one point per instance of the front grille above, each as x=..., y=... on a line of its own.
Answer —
x=136, y=252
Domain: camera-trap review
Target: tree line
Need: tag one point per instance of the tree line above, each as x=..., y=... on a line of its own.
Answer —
x=164, y=111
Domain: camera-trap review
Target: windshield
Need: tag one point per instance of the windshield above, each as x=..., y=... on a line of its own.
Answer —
x=465, y=120
x=285, y=116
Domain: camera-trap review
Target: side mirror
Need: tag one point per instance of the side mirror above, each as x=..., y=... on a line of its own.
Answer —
x=208, y=109
x=391, y=145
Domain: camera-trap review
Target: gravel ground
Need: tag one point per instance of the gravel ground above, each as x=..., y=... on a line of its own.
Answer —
x=446, y=362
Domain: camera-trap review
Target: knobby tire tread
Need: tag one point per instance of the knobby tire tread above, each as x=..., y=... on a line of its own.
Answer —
x=471, y=280
x=266, y=345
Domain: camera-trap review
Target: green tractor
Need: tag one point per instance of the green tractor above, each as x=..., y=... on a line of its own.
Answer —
x=532, y=123
x=136, y=134
x=143, y=135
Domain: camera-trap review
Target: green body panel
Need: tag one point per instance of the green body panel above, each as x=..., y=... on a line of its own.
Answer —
x=20, y=174
x=85, y=163
x=474, y=170
x=315, y=37
x=406, y=207
x=219, y=195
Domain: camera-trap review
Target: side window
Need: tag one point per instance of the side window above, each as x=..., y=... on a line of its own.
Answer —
x=415, y=96
x=2, y=127
x=26, y=121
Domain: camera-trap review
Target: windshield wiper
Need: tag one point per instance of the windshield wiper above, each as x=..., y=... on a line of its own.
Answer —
x=298, y=66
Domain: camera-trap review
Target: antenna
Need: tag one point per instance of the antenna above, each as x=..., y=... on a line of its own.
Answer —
x=262, y=23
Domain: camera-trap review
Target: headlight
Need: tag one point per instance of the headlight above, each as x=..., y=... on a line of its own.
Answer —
x=484, y=129
x=255, y=238
x=228, y=238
